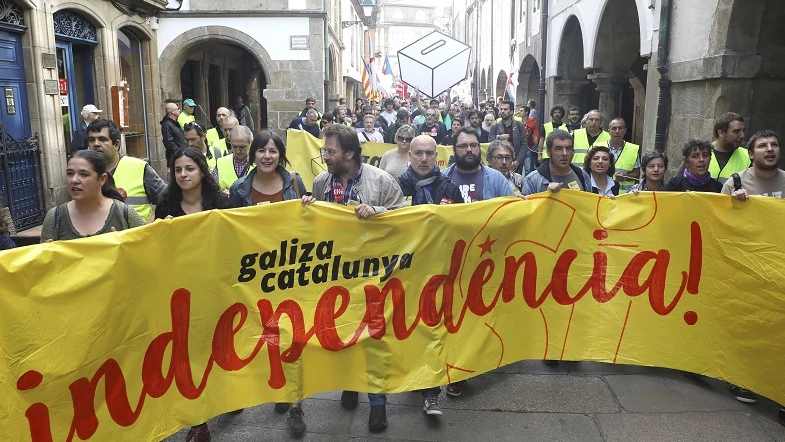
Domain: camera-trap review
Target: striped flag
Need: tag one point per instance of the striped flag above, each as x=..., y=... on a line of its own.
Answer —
x=387, y=67
x=366, y=77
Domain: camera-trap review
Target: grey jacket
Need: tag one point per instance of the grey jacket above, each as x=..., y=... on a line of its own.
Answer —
x=537, y=180
x=240, y=192
x=518, y=137
x=376, y=188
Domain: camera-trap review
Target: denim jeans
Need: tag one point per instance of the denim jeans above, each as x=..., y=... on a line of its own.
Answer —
x=377, y=399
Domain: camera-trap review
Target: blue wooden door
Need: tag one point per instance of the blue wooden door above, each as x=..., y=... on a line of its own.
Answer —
x=13, y=90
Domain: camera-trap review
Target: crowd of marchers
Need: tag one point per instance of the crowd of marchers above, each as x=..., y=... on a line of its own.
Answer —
x=233, y=166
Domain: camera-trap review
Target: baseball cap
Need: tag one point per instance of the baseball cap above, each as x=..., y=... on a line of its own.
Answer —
x=189, y=102
x=92, y=109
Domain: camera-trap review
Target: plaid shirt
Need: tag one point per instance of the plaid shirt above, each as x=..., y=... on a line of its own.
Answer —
x=350, y=192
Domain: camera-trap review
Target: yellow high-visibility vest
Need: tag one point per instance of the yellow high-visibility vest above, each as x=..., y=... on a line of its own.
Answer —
x=738, y=161
x=580, y=142
x=226, y=174
x=626, y=163
x=129, y=176
x=212, y=136
x=184, y=119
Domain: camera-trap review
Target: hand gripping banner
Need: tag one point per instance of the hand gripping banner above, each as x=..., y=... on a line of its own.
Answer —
x=133, y=335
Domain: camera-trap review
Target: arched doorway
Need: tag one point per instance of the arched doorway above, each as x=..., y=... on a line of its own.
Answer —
x=14, y=112
x=617, y=60
x=528, y=81
x=571, y=84
x=501, y=86
x=215, y=72
x=75, y=40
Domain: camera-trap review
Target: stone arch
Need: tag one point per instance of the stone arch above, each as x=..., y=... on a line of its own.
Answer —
x=137, y=28
x=571, y=84
x=618, y=36
x=177, y=52
x=528, y=80
x=83, y=10
x=501, y=85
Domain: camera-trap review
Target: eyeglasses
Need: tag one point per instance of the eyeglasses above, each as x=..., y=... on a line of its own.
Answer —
x=430, y=114
x=501, y=158
x=405, y=139
x=191, y=125
x=465, y=146
x=424, y=153
x=328, y=152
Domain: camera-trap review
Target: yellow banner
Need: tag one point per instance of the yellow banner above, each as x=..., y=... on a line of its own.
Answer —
x=302, y=150
x=133, y=335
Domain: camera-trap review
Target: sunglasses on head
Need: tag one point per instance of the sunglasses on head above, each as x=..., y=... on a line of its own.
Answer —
x=191, y=125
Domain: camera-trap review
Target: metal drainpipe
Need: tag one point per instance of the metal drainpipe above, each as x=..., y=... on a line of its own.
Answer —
x=664, y=100
x=543, y=58
x=326, y=56
x=492, y=73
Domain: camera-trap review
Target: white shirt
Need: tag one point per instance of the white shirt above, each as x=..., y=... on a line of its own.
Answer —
x=373, y=137
x=610, y=183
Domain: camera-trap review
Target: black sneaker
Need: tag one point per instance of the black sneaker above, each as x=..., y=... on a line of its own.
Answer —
x=295, y=421
x=349, y=400
x=282, y=407
x=455, y=389
x=377, y=421
x=743, y=395
x=782, y=415
x=550, y=362
x=431, y=406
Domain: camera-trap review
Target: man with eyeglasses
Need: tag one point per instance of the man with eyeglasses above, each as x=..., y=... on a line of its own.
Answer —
x=371, y=191
x=499, y=157
x=432, y=126
x=476, y=182
x=402, y=119
x=196, y=137
x=171, y=132
x=214, y=134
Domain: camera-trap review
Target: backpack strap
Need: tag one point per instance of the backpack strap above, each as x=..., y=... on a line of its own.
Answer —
x=295, y=184
x=736, y=181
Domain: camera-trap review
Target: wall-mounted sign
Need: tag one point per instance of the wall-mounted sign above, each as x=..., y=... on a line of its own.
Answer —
x=51, y=87
x=63, y=86
x=63, y=101
x=49, y=61
x=299, y=43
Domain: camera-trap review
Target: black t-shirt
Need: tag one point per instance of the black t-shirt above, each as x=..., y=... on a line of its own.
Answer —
x=591, y=138
x=164, y=210
x=722, y=157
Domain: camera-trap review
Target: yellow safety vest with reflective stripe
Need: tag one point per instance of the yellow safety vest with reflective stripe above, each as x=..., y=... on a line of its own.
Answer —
x=738, y=161
x=580, y=142
x=129, y=176
x=184, y=119
x=626, y=163
x=221, y=145
x=212, y=159
x=226, y=174
x=548, y=129
x=212, y=136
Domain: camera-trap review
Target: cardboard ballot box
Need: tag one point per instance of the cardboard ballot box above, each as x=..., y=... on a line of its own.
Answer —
x=434, y=63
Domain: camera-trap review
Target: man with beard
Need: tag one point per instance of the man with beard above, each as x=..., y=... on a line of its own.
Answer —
x=728, y=156
x=558, y=171
x=475, y=123
x=764, y=178
x=371, y=191
x=477, y=182
x=424, y=182
x=574, y=119
x=514, y=131
x=557, y=113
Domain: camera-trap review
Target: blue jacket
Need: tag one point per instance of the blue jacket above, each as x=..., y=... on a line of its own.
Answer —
x=240, y=192
x=494, y=184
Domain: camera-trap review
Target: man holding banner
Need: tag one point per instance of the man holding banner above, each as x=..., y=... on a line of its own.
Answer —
x=351, y=182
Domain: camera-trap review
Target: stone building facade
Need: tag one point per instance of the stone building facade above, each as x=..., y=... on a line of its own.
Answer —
x=721, y=56
x=275, y=56
x=57, y=57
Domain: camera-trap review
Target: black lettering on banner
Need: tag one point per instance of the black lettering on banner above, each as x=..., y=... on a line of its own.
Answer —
x=247, y=272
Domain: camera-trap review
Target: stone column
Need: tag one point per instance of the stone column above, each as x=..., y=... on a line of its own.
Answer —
x=572, y=93
x=609, y=85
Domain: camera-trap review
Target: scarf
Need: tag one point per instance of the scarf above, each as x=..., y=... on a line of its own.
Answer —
x=419, y=188
x=695, y=181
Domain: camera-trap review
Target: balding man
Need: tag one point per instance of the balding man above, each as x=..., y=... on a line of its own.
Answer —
x=215, y=133
x=227, y=125
x=425, y=184
x=231, y=167
x=171, y=132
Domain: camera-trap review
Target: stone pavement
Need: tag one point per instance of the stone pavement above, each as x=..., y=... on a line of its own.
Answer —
x=529, y=401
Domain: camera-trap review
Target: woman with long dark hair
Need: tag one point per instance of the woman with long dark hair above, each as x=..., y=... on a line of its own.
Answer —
x=599, y=164
x=96, y=207
x=270, y=182
x=191, y=188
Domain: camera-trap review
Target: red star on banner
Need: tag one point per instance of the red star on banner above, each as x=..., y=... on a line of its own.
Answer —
x=486, y=246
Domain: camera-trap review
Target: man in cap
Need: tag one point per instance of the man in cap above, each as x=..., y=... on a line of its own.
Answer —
x=187, y=115
x=90, y=113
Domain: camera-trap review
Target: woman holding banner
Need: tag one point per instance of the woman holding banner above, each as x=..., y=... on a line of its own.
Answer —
x=270, y=182
x=97, y=206
x=395, y=161
x=191, y=189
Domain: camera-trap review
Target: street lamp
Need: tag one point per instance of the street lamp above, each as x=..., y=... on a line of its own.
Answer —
x=367, y=6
